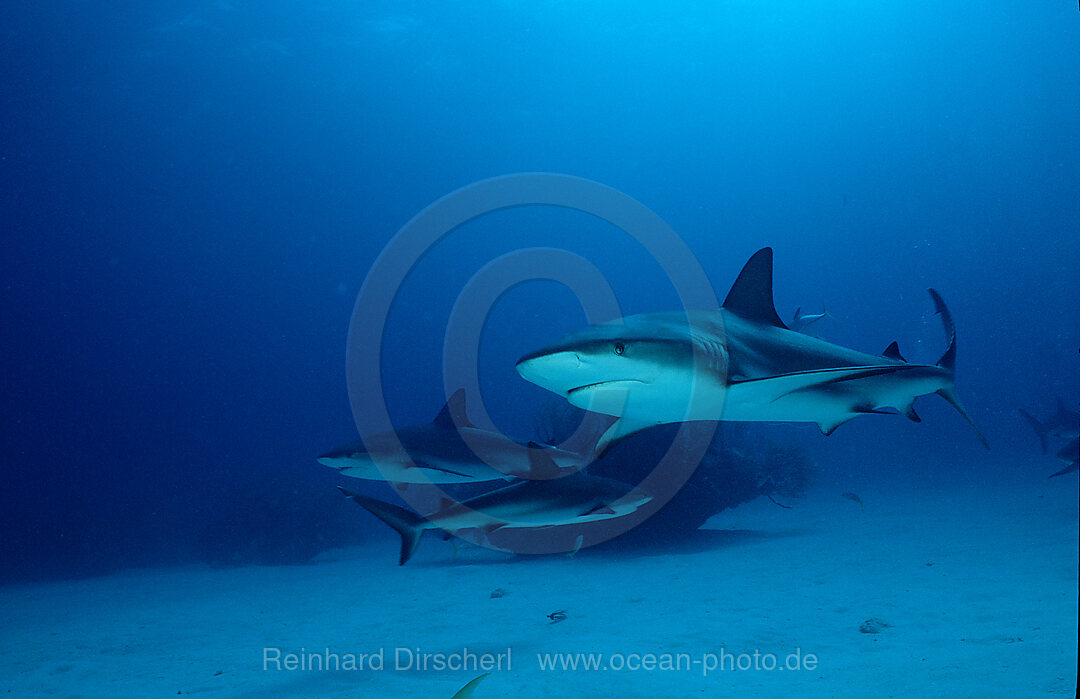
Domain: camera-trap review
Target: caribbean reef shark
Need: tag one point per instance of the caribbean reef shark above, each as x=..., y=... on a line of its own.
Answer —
x=574, y=499
x=1070, y=454
x=740, y=363
x=437, y=452
x=1064, y=424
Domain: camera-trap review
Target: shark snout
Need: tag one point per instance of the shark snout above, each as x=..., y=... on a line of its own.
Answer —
x=556, y=371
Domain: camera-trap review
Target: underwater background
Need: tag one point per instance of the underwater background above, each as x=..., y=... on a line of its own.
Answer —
x=193, y=192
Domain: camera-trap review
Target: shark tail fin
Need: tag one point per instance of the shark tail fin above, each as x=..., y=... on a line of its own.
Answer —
x=948, y=360
x=405, y=522
x=948, y=363
x=1040, y=429
x=949, y=394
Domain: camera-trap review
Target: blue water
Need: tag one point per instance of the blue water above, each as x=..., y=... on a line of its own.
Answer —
x=193, y=193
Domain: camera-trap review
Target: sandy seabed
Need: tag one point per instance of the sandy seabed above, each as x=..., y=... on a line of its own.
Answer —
x=967, y=594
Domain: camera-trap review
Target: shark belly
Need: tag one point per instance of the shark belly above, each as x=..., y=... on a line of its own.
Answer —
x=829, y=403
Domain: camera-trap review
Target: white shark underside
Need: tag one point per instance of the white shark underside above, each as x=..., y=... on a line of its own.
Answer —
x=740, y=363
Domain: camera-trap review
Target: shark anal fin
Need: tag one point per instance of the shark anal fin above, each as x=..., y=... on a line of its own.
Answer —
x=751, y=296
x=827, y=428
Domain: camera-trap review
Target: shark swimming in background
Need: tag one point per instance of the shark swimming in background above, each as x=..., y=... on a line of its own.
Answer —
x=1070, y=454
x=800, y=322
x=1064, y=424
x=574, y=499
x=436, y=452
x=739, y=363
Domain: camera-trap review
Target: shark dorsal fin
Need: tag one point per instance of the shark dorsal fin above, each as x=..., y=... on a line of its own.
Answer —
x=893, y=352
x=541, y=466
x=453, y=413
x=751, y=295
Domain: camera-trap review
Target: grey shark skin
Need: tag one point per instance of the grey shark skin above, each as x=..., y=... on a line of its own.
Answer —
x=436, y=452
x=575, y=499
x=1070, y=454
x=740, y=363
x=1064, y=424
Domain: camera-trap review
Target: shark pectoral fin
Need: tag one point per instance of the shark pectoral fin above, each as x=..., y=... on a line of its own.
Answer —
x=584, y=441
x=405, y=522
x=620, y=430
x=949, y=394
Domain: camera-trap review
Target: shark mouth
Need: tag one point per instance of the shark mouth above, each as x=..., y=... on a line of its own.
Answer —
x=613, y=383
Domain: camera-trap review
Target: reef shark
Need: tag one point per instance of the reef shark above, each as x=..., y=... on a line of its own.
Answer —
x=1064, y=424
x=574, y=499
x=738, y=363
x=439, y=452
x=1070, y=454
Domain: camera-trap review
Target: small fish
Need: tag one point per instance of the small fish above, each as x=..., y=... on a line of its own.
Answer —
x=558, y=616
x=801, y=321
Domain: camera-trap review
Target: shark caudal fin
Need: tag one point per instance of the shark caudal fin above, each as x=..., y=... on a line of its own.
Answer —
x=405, y=522
x=948, y=363
x=1040, y=429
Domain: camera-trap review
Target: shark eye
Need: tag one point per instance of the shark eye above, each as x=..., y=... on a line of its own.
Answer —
x=619, y=348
